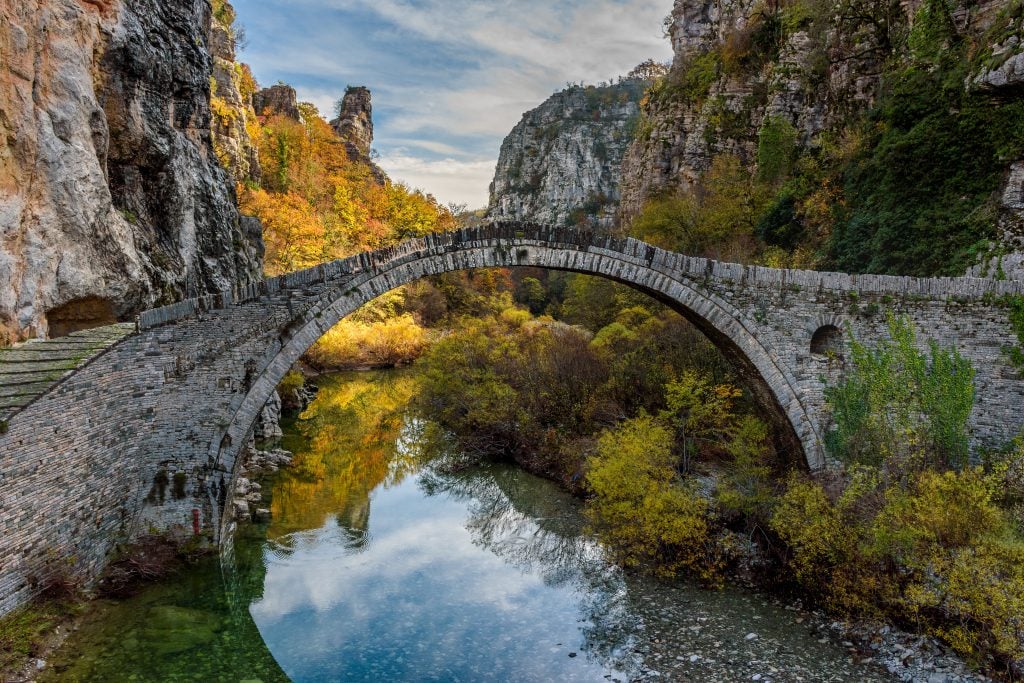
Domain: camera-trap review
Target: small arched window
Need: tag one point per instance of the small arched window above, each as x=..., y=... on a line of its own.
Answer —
x=827, y=339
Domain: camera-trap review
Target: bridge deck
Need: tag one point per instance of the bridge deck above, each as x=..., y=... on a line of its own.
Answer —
x=29, y=370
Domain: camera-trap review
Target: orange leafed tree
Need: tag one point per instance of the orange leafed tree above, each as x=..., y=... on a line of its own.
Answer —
x=317, y=205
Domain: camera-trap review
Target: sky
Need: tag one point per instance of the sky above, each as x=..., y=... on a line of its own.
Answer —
x=450, y=78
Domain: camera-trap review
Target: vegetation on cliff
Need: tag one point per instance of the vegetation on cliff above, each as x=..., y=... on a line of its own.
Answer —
x=887, y=158
x=317, y=205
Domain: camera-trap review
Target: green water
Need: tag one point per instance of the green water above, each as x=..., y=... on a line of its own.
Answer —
x=376, y=568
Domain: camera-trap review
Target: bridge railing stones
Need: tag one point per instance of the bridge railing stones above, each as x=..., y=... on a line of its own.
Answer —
x=640, y=252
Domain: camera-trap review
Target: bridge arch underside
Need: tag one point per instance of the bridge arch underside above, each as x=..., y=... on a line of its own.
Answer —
x=751, y=354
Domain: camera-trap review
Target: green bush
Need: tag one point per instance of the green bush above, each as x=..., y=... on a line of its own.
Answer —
x=901, y=408
x=780, y=226
x=776, y=146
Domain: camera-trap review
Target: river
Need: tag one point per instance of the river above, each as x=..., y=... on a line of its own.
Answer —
x=379, y=567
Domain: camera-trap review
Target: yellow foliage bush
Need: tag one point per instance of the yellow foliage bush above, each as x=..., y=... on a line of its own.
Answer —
x=642, y=510
x=350, y=343
x=717, y=220
x=939, y=552
x=290, y=387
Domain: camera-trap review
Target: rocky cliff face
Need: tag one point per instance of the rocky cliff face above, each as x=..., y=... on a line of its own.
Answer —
x=232, y=90
x=561, y=163
x=111, y=198
x=354, y=125
x=742, y=66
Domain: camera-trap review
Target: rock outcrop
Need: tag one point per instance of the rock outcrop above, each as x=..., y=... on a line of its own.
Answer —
x=277, y=99
x=561, y=164
x=683, y=134
x=354, y=125
x=111, y=198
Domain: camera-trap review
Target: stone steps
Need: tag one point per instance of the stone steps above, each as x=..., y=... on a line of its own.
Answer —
x=29, y=370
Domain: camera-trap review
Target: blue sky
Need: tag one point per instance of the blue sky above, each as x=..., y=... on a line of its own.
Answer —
x=449, y=77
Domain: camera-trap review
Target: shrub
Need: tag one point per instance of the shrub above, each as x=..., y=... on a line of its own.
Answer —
x=936, y=551
x=716, y=220
x=900, y=407
x=746, y=489
x=646, y=515
x=393, y=341
x=776, y=145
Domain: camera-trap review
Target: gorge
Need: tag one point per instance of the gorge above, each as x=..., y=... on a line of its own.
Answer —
x=766, y=299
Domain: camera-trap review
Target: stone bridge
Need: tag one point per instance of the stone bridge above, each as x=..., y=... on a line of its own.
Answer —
x=146, y=425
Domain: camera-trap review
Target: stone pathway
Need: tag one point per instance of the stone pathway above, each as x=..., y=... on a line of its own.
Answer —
x=30, y=369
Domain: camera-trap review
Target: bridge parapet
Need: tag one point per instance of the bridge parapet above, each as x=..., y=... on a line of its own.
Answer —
x=583, y=240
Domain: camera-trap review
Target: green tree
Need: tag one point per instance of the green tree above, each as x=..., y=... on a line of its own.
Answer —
x=746, y=488
x=532, y=294
x=701, y=413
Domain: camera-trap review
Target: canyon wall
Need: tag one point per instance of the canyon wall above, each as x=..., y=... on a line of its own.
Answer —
x=850, y=82
x=111, y=197
x=561, y=164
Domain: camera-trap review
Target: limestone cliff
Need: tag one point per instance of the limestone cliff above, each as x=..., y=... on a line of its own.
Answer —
x=232, y=88
x=561, y=164
x=111, y=198
x=354, y=125
x=825, y=73
x=277, y=99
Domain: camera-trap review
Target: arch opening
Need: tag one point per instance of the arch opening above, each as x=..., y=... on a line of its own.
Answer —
x=728, y=329
x=80, y=314
x=827, y=340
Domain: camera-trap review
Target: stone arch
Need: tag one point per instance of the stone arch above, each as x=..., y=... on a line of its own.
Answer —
x=718, y=319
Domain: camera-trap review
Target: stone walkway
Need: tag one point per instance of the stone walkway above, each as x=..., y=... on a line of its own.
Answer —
x=29, y=370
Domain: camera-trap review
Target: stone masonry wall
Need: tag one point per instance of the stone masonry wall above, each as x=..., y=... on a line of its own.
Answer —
x=151, y=428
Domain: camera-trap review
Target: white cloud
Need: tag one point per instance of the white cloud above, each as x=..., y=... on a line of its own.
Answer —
x=450, y=180
x=429, y=145
x=452, y=77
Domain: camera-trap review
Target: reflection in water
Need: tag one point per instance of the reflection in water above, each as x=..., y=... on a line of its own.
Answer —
x=346, y=445
x=539, y=530
x=472, y=576
x=375, y=570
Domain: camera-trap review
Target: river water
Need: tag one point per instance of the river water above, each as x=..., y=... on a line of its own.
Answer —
x=376, y=567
